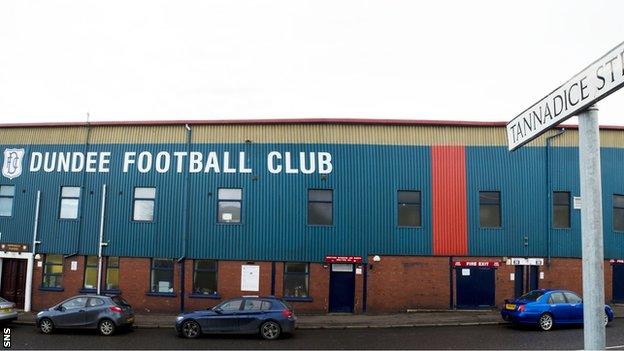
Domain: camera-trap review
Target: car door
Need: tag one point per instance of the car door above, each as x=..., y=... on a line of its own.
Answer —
x=71, y=313
x=225, y=318
x=95, y=307
x=576, y=306
x=559, y=307
x=251, y=316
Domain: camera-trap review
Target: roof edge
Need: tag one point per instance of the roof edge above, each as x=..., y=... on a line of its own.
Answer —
x=348, y=121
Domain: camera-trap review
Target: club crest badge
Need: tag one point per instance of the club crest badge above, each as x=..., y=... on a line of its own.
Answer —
x=12, y=166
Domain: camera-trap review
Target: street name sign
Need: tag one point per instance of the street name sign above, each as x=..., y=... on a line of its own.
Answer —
x=592, y=84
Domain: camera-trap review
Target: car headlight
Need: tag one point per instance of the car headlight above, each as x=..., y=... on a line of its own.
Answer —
x=179, y=318
x=39, y=314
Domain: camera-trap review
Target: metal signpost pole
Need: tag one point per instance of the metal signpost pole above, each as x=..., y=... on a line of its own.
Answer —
x=591, y=230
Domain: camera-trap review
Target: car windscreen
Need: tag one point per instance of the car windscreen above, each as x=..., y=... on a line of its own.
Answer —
x=532, y=295
x=119, y=301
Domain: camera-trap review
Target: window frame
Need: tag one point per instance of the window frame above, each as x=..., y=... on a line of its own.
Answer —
x=106, y=268
x=500, y=209
x=46, y=264
x=12, y=197
x=399, y=203
x=621, y=230
x=152, y=269
x=61, y=198
x=84, y=276
x=306, y=274
x=219, y=200
x=568, y=205
x=216, y=273
x=135, y=199
x=331, y=190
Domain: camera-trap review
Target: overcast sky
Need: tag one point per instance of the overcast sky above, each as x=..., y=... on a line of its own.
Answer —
x=149, y=60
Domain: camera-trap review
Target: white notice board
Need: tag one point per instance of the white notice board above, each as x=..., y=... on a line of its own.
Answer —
x=250, y=278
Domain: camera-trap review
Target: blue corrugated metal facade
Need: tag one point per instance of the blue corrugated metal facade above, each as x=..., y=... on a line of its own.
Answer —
x=365, y=180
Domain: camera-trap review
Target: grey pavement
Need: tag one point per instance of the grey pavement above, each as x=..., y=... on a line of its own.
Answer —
x=415, y=318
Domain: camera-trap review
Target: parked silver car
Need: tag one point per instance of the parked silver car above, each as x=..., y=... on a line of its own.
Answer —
x=7, y=311
x=103, y=313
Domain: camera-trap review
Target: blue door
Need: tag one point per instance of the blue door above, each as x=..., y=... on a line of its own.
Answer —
x=341, y=288
x=475, y=287
x=618, y=283
x=519, y=281
x=533, y=277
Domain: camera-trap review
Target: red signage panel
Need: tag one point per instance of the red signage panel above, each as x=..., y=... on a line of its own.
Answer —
x=343, y=259
x=494, y=264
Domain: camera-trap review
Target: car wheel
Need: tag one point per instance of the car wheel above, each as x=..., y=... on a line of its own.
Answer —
x=546, y=322
x=270, y=330
x=606, y=320
x=191, y=329
x=46, y=326
x=106, y=327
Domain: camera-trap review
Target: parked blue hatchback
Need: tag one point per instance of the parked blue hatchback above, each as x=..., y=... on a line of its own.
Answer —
x=547, y=308
x=267, y=316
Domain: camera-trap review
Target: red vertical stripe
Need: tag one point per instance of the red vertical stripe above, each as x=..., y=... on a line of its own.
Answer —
x=450, y=223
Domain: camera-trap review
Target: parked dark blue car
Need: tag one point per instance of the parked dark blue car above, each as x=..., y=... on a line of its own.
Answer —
x=547, y=308
x=268, y=316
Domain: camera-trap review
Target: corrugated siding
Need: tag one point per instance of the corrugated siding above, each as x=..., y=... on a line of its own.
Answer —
x=365, y=180
x=448, y=167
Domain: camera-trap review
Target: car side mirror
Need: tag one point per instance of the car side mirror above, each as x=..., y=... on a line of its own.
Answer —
x=217, y=310
x=60, y=308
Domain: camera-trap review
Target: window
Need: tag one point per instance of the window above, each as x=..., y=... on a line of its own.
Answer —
x=572, y=298
x=296, y=277
x=320, y=207
x=53, y=271
x=252, y=305
x=95, y=302
x=408, y=208
x=78, y=302
x=489, y=209
x=7, y=193
x=162, y=276
x=556, y=297
x=143, y=209
x=229, y=205
x=90, y=276
x=618, y=213
x=112, y=273
x=561, y=209
x=70, y=198
x=232, y=305
x=205, y=277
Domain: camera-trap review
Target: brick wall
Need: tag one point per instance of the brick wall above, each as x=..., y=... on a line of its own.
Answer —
x=397, y=283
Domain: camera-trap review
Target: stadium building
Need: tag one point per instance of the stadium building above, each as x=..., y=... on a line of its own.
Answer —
x=332, y=215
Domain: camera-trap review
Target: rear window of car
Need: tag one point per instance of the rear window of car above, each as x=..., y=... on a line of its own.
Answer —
x=532, y=295
x=266, y=305
x=120, y=301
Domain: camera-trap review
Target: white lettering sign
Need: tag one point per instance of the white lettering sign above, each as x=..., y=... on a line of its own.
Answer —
x=164, y=162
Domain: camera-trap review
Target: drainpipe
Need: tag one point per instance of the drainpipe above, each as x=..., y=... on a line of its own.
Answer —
x=549, y=191
x=31, y=259
x=83, y=196
x=101, y=242
x=185, y=216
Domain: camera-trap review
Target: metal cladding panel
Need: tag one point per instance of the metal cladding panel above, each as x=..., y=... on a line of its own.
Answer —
x=564, y=173
x=364, y=181
x=519, y=176
x=612, y=183
x=450, y=225
x=43, y=135
x=350, y=134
